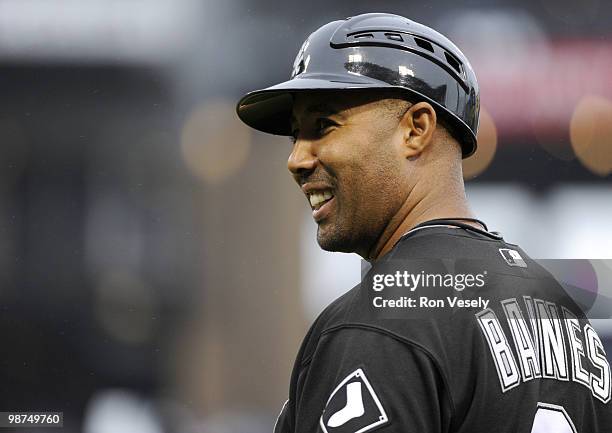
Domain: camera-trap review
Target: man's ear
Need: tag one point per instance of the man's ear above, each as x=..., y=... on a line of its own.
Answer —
x=419, y=125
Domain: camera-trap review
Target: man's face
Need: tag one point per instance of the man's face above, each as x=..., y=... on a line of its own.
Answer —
x=347, y=160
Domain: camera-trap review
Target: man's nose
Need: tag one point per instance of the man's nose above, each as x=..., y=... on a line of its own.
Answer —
x=302, y=158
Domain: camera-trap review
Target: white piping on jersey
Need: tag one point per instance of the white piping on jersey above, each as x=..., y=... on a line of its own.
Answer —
x=416, y=229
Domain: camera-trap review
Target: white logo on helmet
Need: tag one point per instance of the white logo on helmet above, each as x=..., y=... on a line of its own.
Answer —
x=300, y=65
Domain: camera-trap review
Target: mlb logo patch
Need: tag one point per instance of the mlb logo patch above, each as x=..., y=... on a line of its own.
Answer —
x=512, y=257
x=353, y=407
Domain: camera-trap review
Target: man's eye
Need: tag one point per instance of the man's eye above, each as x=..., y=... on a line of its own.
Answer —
x=323, y=123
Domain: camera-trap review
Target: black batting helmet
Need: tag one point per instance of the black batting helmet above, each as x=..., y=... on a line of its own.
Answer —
x=375, y=51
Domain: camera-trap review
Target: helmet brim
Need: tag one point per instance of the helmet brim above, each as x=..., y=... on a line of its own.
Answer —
x=269, y=110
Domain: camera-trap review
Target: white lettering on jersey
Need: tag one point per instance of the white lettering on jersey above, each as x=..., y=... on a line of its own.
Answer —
x=552, y=345
x=552, y=418
x=543, y=352
x=523, y=340
x=600, y=385
x=507, y=370
x=533, y=320
x=572, y=324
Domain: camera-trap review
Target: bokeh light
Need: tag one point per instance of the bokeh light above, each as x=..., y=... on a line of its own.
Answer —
x=591, y=134
x=115, y=410
x=487, y=146
x=215, y=144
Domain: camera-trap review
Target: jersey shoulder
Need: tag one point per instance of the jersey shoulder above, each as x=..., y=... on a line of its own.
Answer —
x=517, y=295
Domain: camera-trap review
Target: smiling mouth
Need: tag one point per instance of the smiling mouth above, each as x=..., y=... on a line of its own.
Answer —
x=319, y=198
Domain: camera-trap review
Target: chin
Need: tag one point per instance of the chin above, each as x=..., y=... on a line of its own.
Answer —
x=334, y=241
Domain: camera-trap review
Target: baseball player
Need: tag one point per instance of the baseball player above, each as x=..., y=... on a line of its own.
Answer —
x=381, y=110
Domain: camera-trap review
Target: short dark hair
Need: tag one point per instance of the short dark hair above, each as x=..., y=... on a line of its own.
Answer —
x=397, y=106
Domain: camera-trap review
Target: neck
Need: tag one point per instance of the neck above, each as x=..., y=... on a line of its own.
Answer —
x=422, y=204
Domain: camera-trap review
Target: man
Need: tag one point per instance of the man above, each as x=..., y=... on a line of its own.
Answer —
x=381, y=110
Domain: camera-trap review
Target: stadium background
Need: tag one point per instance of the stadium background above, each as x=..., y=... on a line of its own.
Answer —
x=158, y=265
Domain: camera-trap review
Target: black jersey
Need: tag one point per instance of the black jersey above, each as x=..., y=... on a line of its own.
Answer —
x=516, y=355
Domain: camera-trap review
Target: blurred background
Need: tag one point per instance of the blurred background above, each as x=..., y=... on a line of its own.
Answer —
x=158, y=266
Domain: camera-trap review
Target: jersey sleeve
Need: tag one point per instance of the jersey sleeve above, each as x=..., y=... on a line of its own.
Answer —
x=360, y=380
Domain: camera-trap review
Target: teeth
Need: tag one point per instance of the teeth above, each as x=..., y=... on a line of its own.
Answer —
x=317, y=198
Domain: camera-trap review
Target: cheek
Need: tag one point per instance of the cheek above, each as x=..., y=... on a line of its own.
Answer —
x=339, y=157
x=382, y=184
x=366, y=168
x=370, y=186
